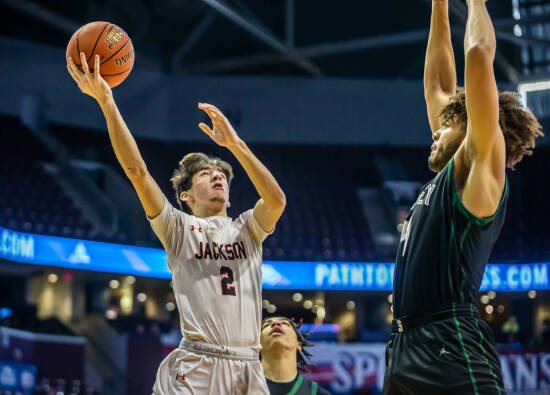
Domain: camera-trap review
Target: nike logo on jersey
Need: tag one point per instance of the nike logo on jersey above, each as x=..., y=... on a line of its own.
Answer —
x=226, y=252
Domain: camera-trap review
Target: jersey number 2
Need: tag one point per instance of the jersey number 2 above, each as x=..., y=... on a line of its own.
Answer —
x=227, y=281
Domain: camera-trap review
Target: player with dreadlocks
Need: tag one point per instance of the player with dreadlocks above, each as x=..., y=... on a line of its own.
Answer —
x=283, y=354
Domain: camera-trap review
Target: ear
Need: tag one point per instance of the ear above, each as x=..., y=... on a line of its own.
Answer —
x=228, y=204
x=299, y=347
x=185, y=196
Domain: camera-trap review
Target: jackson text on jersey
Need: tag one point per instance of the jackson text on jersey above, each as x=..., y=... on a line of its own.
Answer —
x=226, y=252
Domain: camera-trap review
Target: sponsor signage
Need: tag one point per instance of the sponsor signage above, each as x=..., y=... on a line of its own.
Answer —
x=359, y=368
x=17, y=376
x=151, y=262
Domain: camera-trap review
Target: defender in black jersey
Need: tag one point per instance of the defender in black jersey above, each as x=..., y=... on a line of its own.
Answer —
x=439, y=344
x=283, y=354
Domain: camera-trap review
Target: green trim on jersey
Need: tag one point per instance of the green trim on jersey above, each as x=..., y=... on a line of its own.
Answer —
x=481, y=338
x=314, y=388
x=465, y=233
x=451, y=253
x=462, y=284
x=458, y=203
x=466, y=355
x=297, y=385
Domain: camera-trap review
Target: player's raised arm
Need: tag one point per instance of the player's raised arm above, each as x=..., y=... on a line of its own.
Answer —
x=484, y=143
x=439, y=69
x=124, y=145
x=272, y=198
x=482, y=103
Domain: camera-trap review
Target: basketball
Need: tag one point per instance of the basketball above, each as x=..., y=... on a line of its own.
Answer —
x=111, y=43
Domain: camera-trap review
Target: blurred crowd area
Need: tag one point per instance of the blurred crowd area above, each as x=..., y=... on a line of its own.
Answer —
x=331, y=193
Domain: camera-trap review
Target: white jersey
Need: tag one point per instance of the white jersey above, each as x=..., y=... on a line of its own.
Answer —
x=216, y=266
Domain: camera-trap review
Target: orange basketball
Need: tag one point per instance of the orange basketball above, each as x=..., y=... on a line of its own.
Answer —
x=111, y=43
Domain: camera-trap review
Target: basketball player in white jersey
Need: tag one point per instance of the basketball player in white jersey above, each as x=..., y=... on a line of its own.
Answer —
x=215, y=261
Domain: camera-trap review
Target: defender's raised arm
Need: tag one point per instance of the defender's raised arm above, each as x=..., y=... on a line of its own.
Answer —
x=481, y=89
x=484, y=147
x=439, y=69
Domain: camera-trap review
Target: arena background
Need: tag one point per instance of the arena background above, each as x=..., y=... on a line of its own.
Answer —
x=329, y=95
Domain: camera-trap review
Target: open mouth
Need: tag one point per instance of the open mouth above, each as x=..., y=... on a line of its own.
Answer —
x=433, y=147
x=218, y=186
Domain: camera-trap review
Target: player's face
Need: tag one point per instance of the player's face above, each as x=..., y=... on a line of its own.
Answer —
x=210, y=188
x=446, y=143
x=278, y=332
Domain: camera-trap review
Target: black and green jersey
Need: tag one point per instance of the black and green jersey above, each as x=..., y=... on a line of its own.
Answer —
x=299, y=386
x=443, y=249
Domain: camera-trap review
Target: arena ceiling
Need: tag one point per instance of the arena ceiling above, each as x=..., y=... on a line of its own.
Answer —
x=309, y=38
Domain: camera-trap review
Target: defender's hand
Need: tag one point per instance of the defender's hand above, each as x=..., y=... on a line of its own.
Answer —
x=223, y=133
x=90, y=83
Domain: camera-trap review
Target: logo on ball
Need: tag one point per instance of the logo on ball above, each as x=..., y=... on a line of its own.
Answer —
x=114, y=37
x=123, y=59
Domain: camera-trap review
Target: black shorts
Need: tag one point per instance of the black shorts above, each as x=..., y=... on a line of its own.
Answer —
x=449, y=352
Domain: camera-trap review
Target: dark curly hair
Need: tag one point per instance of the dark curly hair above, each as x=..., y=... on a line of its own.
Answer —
x=303, y=355
x=182, y=179
x=519, y=126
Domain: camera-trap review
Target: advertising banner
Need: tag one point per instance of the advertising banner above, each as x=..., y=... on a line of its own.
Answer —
x=17, y=377
x=151, y=262
x=346, y=369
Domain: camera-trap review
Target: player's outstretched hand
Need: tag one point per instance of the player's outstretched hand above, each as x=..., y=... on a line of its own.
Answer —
x=222, y=132
x=90, y=83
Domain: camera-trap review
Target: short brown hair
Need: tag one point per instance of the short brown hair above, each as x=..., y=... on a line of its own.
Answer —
x=182, y=179
x=519, y=126
x=301, y=356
